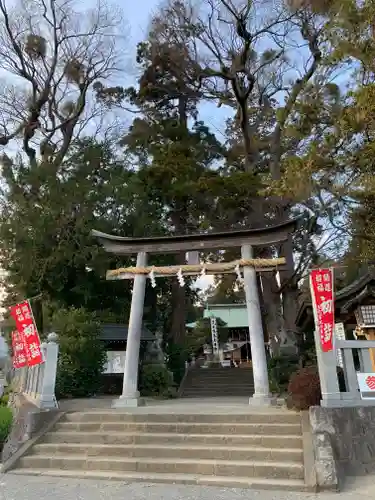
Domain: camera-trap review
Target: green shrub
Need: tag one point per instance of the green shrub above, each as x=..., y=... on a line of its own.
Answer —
x=280, y=370
x=177, y=355
x=6, y=419
x=304, y=389
x=4, y=400
x=155, y=380
x=81, y=353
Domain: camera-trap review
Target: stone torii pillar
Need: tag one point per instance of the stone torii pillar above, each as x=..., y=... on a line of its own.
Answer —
x=262, y=394
x=130, y=396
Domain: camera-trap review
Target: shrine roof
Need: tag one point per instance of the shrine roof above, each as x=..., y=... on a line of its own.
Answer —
x=345, y=298
x=119, y=332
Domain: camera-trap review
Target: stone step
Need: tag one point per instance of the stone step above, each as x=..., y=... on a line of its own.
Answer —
x=255, y=417
x=214, y=393
x=184, y=428
x=170, y=451
x=224, y=381
x=256, y=483
x=274, y=470
x=230, y=375
x=203, y=372
x=223, y=376
x=224, y=388
x=83, y=438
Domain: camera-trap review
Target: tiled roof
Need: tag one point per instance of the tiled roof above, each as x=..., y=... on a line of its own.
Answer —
x=114, y=331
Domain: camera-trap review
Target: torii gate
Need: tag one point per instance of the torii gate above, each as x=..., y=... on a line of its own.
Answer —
x=193, y=243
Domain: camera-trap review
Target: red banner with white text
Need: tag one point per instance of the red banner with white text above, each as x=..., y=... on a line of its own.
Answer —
x=19, y=351
x=321, y=285
x=26, y=327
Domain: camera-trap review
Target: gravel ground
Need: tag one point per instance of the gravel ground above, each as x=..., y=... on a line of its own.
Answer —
x=15, y=487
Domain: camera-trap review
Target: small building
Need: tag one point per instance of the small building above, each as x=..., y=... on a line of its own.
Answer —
x=114, y=336
x=235, y=320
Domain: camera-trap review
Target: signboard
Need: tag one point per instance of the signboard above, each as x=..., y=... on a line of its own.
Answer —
x=340, y=335
x=321, y=285
x=366, y=383
x=115, y=362
x=23, y=316
x=19, y=352
x=214, y=335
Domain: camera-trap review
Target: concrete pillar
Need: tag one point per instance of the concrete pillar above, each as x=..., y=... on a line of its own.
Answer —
x=329, y=384
x=46, y=398
x=262, y=394
x=130, y=394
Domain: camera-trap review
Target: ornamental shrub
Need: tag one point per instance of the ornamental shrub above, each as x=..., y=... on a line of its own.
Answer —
x=81, y=353
x=304, y=389
x=4, y=400
x=155, y=380
x=280, y=369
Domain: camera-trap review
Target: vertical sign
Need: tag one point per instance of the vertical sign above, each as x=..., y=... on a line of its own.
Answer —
x=214, y=335
x=321, y=285
x=19, y=352
x=340, y=335
x=26, y=327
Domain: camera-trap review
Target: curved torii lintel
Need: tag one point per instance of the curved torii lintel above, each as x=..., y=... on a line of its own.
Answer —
x=122, y=245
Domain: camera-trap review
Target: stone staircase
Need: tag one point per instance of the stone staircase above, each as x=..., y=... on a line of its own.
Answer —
x=217, y=382
x=257, y=449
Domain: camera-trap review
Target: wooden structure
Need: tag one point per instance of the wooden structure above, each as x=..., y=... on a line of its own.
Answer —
x=246, y=239
x=355, y=308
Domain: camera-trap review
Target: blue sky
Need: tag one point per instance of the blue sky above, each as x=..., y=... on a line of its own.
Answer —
x=138, y=16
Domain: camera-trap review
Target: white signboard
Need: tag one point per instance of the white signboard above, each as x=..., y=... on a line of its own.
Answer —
x=366, y=382
x=214, y=335
x=340, y=335
x=115, y=362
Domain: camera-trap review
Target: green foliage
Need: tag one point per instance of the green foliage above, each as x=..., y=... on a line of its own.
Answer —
x=6, y=419
x=155, y=380
x=81, y=354
x=4, y=400
x=177, y=355
x=47, y=220
x=280, y=370
x=304, y=389
x=201, y=334
x=292, y=145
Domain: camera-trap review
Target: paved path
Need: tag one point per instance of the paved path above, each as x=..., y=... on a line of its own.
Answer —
x=46, y=488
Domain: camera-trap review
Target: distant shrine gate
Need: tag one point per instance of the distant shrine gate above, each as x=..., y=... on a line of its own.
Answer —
x=193, y=243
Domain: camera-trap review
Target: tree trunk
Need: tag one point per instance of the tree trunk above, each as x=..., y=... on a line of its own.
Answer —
x=179, y=306
x=272, y=304
x=289, y=294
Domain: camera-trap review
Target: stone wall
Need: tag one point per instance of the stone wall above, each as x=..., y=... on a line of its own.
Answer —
x=344, y=443
x=28, y=421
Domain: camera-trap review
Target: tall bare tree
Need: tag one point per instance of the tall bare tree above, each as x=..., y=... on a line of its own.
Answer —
x=53, y=56
x=259, y=58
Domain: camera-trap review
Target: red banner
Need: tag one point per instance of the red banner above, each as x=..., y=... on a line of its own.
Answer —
x=26, y=327
x=19, y=351
x=321, y=284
